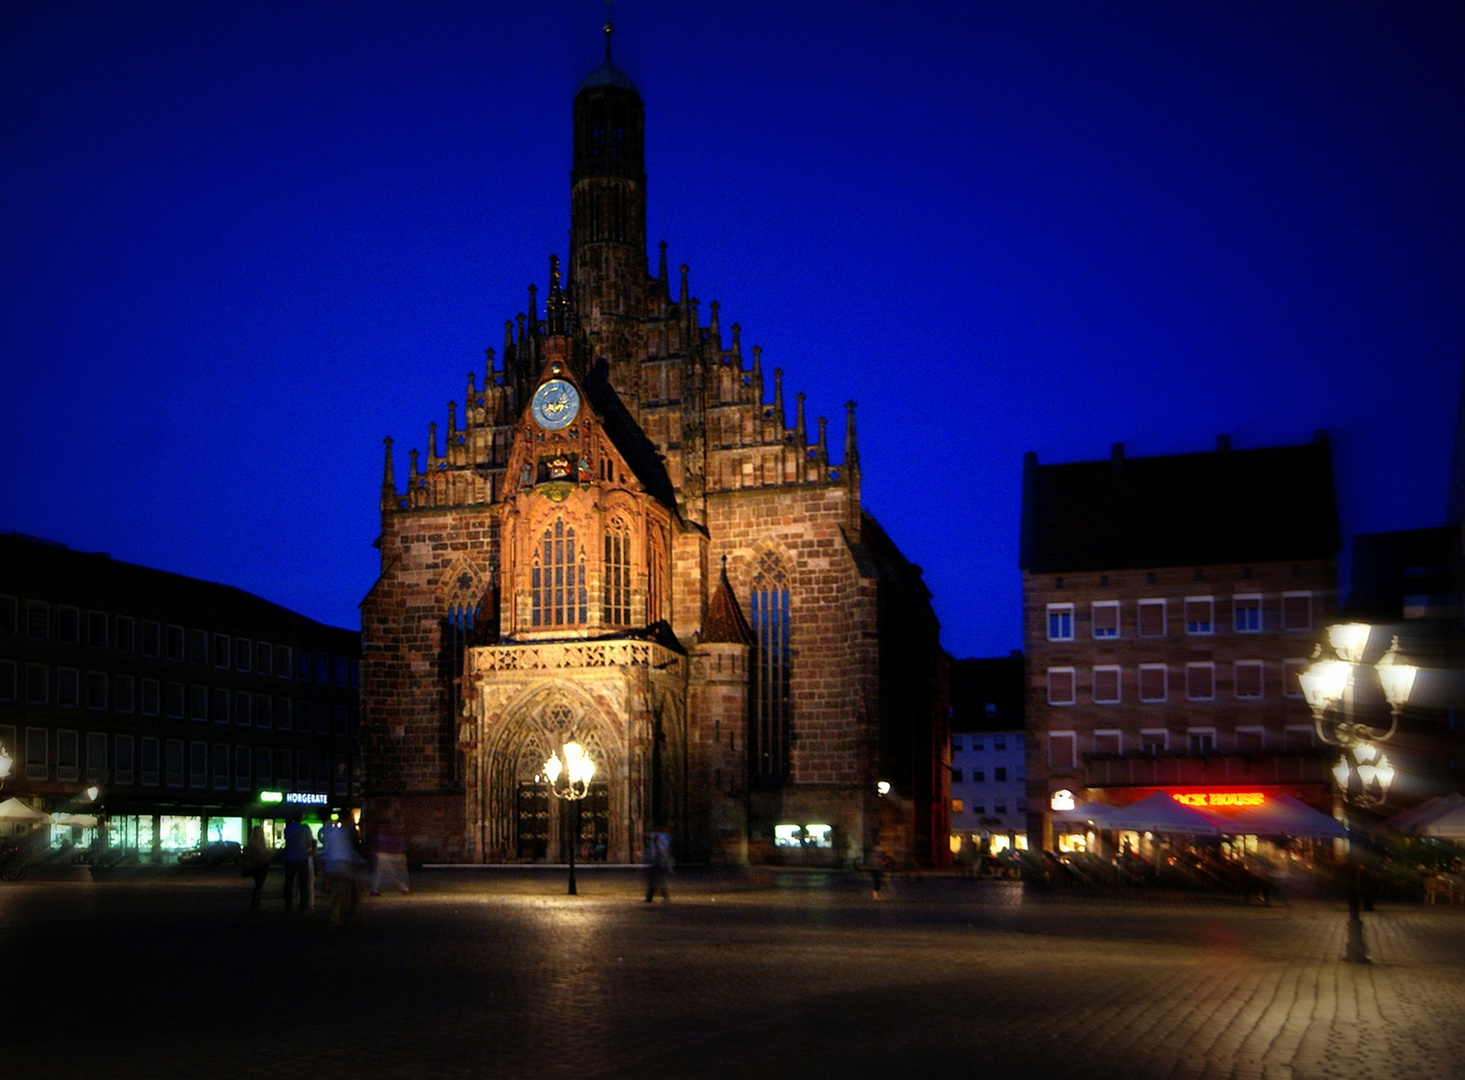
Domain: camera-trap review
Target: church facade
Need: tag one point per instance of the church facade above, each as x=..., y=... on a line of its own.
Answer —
x=621, y=540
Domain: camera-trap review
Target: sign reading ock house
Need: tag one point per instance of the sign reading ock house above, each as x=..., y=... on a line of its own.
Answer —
x=621, y=540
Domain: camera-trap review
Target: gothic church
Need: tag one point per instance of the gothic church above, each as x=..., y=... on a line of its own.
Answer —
x=621, y=540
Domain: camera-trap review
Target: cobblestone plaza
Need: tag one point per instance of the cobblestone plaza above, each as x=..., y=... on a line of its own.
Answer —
x=489, y=973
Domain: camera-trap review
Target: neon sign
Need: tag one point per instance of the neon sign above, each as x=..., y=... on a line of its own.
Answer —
x=1219, y=798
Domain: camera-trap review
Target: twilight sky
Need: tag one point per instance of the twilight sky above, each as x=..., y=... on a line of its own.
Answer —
x=244, y=240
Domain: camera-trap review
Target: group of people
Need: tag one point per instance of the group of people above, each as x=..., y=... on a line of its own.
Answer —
x=342, y=867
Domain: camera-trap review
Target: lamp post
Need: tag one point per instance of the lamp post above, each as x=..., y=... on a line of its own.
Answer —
x=1362, y=771
x=569, y=780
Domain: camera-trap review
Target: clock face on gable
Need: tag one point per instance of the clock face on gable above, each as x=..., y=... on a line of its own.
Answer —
x=555, y=405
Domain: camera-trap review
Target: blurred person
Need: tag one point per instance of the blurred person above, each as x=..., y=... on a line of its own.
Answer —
x=257, y=857
x=658, y=865
x=342, y=865
x=299, y=865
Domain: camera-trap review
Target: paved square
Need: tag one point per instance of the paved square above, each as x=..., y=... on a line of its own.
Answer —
x=497, y=973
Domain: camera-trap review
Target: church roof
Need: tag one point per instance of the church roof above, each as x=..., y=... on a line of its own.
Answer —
x=725, y=623
x=1232, y=506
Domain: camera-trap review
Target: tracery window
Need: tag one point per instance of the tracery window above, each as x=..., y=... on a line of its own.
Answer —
x=655, y=576
x=771, y=625
x=558, y=579
x=616, y=606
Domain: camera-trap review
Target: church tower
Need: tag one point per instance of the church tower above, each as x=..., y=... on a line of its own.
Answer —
x=625, y=544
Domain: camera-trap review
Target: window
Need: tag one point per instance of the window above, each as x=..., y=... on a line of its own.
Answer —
x=956, y=806
x=1200, y=615
x=219, y=705
x=124, y=689
x=96, y=690
x=1062, y=750
x=9, y=680
x=221, y=766
x=1251, y=740
x=198, y=702
x=1151, y=618
x=68, y=755
x=322, y=718
x=96, y=757
x=322, y=772
x=122, y=774
x=198, y=647
x=1060, y=622
x=198, y=764
x=1201, y=741
x=264, y=711
x=339, y=779
x=283, y=758
x=175, y=643
x=339, y=676
x=1297, y=611
x=174, y=762
x=264, y=658
x=1061, y=686
x=148, y=761
x=96, y=629
x=302, y=665
x=773, y=659
x=979, y=776
x=338, y=719
x=1106, y=685
x=1297, y=737
x=956, y=742
x=616, y=607
x=68, y=687
x=1106, y=619
x=1247, y=614
x=1200, y=682
x=37, y=763
x=264, y=759
x=558, y=593
x=68, y=625
x=1154, y=682
x=126, y=633
x=243, y=757
x=1110, y=743
x=243, y=713
x=9, y=616
x=1248, y=679
x=37, y=620
x=956, y=776
x=221, y=650
x=1291, y=669
x=152, y=638
x=151, y=697
x=283, y=661
x=999, y=742
x=37, y=684
x=243, y=654
x=323, y=667
x=1154, y=741
x=283, y=712
x=999, y=773
x=175, y=701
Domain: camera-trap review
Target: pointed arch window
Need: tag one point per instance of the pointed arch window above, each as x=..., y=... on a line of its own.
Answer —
x=655, y=576
x=559, y=597
x=616, y=607
x=769, y=742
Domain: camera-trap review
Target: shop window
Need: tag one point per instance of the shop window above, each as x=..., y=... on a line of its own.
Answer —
x=1105, y=615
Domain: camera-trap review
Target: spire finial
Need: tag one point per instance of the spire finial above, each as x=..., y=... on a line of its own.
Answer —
x=608, y=30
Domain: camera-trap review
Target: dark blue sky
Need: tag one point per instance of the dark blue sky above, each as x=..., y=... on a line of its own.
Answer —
x=244, y=241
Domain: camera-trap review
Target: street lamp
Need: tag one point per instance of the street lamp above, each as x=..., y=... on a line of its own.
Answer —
x=1362, y=771
x=570, y=780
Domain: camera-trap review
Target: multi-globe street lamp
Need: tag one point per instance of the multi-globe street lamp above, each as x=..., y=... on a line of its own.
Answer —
x=569, y=780
x=1362, y=771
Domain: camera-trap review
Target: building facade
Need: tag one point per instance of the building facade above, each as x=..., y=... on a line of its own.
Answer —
x=622, y=539
x=180, y=700
x=1169, y=604
x=989, y=797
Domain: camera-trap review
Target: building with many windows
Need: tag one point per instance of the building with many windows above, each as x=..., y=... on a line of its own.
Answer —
x=1169, y=604
x=989, y=797
x=621, y=539
x=178, y=699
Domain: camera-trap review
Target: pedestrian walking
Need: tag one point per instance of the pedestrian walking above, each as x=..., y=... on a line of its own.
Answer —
x=257, y=857
x=299, y=865
x=658, y=865
x=343, y=866
x=876, y=864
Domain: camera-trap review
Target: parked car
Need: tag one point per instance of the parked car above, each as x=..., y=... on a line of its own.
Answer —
x=214, y=853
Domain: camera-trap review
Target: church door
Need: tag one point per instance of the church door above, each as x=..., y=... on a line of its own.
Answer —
x=594, y=825
x=532, y=821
